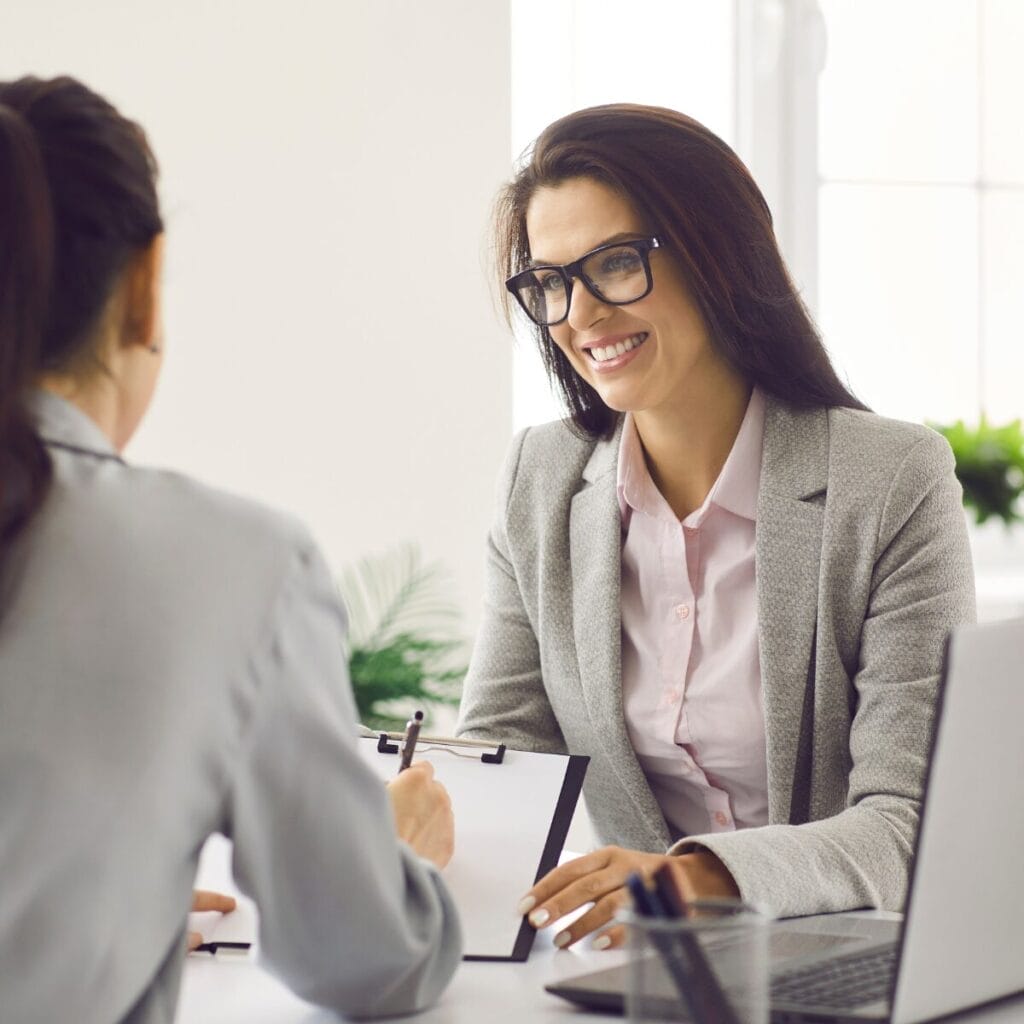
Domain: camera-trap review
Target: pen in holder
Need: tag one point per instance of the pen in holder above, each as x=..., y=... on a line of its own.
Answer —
x=412, y=734
x=707, y=965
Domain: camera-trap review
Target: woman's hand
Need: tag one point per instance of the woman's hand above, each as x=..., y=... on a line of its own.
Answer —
x=423, y=813
x=202, y=899
x=600, y=878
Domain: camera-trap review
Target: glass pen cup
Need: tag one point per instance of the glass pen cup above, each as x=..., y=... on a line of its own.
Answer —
x=710, y=967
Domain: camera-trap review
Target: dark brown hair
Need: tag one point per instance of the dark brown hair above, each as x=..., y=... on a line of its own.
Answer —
x=77, y=201
x=700, y=200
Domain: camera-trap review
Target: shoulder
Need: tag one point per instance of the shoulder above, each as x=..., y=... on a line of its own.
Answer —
x=173, y=526
x=855, y=434
x=553, y=455
x=553, y=446
x=894, y=454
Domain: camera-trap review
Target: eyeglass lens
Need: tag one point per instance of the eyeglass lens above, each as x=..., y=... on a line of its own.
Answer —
x=617, y=275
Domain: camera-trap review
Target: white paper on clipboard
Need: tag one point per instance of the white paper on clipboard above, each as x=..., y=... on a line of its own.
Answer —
x=511, y=820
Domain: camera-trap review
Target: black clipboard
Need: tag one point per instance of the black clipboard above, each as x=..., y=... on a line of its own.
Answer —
x=512, y=810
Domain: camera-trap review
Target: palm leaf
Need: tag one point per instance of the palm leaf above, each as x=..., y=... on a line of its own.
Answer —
x=394, y=593
x=403, y=647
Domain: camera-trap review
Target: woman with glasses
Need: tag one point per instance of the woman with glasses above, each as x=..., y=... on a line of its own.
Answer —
x=170, y=656
x=721, y=577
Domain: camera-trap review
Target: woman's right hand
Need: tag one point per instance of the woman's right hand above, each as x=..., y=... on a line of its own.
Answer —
x=423, y=813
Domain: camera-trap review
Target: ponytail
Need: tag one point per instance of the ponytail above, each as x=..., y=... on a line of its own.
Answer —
x=26, y=272
x=77, y=201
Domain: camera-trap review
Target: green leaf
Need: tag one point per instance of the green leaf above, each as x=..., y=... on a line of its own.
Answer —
x=404, y=652
x=989, y=466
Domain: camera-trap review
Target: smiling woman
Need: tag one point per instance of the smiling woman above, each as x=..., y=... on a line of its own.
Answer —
x=722, y=578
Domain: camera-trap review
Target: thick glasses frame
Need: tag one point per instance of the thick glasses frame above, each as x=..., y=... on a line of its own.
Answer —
x=570, y=271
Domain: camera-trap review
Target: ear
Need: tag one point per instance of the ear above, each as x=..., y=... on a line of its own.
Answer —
x=140, y=290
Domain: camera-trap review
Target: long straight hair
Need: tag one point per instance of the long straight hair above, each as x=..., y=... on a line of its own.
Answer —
x=700, y=200
x=77, y=201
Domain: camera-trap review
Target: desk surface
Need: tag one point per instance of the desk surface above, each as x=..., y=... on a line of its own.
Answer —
x=228, y=990
x=233, y=991
x=236, y=990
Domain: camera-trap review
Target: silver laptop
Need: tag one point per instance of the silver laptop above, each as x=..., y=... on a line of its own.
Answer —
x=961, y=942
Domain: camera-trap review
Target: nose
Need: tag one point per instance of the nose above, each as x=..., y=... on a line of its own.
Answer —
x=585, y=308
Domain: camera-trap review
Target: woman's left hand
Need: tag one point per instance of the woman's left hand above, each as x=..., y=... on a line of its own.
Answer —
x=600, y=878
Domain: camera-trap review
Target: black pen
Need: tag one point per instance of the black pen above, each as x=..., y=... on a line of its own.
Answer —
x=222, y=947
x=412, y=734
x=646, y=904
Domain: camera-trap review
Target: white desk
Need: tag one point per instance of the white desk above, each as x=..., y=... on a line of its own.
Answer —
x=227, y=990
x=236, y=990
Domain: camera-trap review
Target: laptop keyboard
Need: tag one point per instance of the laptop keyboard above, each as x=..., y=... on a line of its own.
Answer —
x=846, y=981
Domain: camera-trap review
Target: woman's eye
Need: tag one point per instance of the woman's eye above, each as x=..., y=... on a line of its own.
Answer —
x=624, y=261
x=551, y=282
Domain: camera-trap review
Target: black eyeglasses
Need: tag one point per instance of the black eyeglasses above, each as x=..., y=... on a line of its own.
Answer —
x=617, y=273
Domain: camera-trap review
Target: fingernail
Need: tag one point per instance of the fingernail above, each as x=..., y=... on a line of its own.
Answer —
x=562, y=939
x=539, y=918
x=601, y=942
x=526, y=904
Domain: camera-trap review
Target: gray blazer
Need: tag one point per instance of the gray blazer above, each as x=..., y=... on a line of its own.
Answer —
x=863, y=565
x=171, y=665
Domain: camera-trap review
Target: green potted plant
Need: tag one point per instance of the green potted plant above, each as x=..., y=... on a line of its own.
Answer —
x=989, y=466
x=403, y=649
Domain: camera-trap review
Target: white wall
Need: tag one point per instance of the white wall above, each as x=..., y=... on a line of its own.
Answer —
x=326, y=165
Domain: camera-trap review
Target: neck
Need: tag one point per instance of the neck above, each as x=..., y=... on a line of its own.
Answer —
x=97, y=397
x=686, y=445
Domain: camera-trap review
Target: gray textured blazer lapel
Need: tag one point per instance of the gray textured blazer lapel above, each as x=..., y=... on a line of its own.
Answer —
x=790, y=515
x=595, y=553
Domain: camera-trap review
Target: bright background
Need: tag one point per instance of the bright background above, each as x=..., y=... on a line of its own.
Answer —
x=327, y=171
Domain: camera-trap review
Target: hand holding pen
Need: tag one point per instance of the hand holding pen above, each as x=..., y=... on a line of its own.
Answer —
x=421, y=806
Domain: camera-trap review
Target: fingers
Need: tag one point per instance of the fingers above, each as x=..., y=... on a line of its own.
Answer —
x=193, y=941
x=419, y=773
x=597, y=878
x=584, y=880
x=591, y=888
x=556, y=881
x=598, y=916
x=204, y=899
x=612, y=938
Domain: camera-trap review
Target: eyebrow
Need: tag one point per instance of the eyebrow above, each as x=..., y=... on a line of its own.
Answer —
x=622, y=236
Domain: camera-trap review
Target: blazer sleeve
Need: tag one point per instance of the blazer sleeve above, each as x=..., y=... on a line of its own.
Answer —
x=503, y=697
x=350, y=917
x=922, y=585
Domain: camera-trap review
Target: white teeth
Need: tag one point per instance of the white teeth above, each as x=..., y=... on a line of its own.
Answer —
x=620, y=348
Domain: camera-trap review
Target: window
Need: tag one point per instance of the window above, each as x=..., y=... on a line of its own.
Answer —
x=886, y=139
x=921, y=231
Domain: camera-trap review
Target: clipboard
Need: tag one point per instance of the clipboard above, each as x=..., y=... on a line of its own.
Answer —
x=512, y=813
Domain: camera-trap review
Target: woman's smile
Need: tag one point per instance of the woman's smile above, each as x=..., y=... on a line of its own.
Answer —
x=612, y=353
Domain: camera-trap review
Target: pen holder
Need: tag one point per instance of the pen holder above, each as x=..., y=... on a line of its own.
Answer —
x=710, y=967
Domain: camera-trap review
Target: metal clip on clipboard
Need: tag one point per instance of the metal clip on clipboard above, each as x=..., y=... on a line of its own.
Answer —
x=494, y=753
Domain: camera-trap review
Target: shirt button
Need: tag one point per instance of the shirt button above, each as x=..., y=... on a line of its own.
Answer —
x=682, y=611
x=721, y=818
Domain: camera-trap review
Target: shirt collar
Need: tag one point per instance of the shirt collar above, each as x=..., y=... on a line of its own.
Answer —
x=735, y=490
x=65, y=425
x=737, y=485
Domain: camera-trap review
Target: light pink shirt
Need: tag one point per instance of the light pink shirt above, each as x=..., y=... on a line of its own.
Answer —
x=691, y=679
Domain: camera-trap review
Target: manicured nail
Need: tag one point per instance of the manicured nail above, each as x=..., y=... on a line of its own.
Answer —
x=562, y=939
x=539, y=918
x=601, y=942
x=526, y=904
